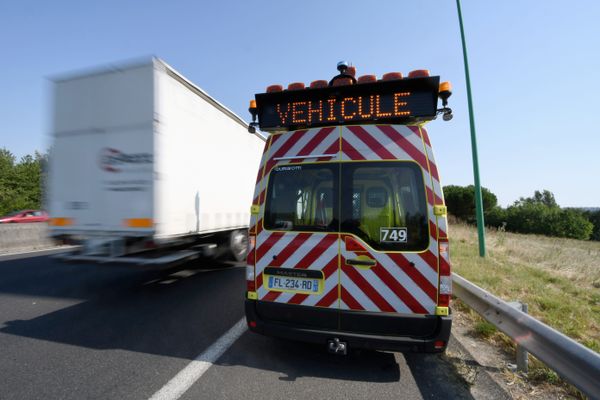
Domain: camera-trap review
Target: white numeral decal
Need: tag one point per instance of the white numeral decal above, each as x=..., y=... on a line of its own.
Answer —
x=395, y=235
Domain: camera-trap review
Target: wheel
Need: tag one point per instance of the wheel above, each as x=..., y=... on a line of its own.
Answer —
x=238, y=244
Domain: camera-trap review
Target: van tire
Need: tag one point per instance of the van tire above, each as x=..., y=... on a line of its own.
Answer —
x=238, y=244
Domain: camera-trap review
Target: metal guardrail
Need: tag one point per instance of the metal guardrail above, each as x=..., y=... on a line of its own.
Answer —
x=573, y=362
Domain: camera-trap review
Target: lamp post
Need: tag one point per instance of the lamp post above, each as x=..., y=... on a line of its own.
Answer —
x=478, y=198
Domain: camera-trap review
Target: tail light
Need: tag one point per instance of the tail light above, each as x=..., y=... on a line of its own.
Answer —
x=445, y=288
x=250, y=274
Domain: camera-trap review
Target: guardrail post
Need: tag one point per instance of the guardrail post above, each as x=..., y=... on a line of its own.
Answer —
x=522, y=354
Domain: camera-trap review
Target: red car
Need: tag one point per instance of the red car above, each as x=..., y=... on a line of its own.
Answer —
x=25, y=216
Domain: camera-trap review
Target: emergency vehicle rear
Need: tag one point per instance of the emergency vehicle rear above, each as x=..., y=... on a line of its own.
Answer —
x=348, y=234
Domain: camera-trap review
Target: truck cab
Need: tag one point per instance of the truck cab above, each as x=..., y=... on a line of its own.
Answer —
x=348, y=235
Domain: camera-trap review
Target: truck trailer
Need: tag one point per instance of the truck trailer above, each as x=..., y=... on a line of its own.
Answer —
x=147, y=168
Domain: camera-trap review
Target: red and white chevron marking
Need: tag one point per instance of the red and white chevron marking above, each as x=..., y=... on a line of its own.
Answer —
x=436, y=181
x=393, y=285
x=314, y=251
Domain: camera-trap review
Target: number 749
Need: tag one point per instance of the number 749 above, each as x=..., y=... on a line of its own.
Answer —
x=393, y=235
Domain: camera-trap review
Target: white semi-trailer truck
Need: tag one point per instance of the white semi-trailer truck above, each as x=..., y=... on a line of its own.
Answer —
x=147, y=168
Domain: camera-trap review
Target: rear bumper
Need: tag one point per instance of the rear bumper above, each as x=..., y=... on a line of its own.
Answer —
x=355, y=339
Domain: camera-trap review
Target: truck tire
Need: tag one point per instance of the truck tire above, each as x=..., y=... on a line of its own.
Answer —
x=238, y=244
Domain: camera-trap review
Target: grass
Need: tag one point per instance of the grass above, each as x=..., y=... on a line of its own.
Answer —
x=558, y=278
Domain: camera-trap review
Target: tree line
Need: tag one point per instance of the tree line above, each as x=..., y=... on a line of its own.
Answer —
x=21, y=181
x=539, y=214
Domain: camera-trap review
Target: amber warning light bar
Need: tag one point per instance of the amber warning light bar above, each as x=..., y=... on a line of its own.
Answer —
x=395, y=101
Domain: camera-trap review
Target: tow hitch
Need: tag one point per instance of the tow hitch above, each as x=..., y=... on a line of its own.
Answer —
x=336, y=347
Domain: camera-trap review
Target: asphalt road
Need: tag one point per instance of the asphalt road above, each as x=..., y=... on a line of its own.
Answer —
x=85, y=331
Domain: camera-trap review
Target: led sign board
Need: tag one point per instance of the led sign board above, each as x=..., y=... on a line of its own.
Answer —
x=396, y=101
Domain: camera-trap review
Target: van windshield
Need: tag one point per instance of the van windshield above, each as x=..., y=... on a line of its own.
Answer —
x=384, y=204
x=303, y=198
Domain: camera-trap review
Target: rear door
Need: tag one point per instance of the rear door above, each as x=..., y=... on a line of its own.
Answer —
x=388, y=257
x=299, y=229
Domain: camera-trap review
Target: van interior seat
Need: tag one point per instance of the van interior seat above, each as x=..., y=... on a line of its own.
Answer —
x=377, y=212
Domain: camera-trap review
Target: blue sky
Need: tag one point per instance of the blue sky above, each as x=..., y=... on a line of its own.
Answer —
x=533, y=66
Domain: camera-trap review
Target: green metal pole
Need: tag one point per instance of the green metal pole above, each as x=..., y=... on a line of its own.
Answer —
x=478, y=199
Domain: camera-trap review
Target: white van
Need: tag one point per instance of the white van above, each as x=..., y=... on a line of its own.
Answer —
x=348, y=235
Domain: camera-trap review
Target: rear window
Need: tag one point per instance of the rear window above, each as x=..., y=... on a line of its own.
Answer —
x=385, y=205
x=303, y=198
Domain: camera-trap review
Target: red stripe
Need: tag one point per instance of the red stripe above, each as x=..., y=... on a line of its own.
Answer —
x=335, y=147
x=407, y=146
x=415, y=275
x=415, y=130
x=329, y=298
x=430, y=258
x=433, y=230
x=250, y=257
x=275, y=138
x=371, y=142
x=297, y=298
x=399, y=290
x=433, y=170
x=350, y=301
x=444, y=264
x=290, y=249
x=316, y=252
x=366, y=287
x=350, y=151
x=259, y=280
x=291, y=140
x=266, y=245
x=441, y=233
x=259, y=226
x=329, y=269
x=313, y=143
x=425, y=136
x=271, y=296
x=431, y=197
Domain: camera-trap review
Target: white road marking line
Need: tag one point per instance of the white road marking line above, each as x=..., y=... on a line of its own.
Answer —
x=181, y=382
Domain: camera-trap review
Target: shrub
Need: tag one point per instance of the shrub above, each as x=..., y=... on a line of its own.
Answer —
x=460, y=201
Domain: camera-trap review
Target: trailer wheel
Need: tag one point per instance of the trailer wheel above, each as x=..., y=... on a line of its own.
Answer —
x=238, y=244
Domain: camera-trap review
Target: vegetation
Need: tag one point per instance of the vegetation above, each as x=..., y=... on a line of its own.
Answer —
x=20, y=182
x=460, y=201
x=539, y=214
x=558, y=278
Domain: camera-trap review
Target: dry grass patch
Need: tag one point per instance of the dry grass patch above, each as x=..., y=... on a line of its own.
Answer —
x=559, y=279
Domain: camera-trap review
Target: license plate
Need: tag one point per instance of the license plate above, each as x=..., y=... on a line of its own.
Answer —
x=297, y=285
